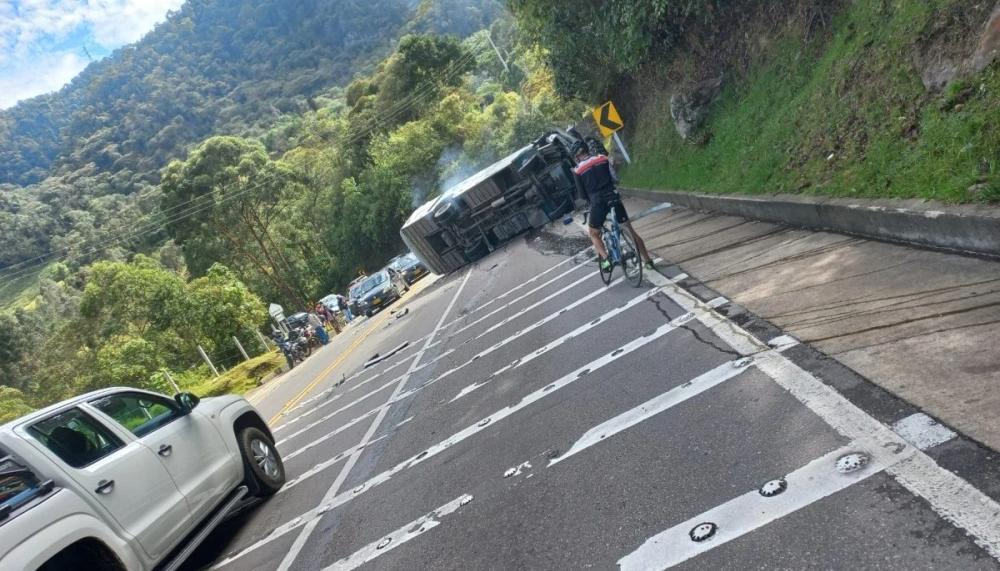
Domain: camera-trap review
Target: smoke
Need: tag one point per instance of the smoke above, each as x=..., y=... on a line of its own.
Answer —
x=452, y=167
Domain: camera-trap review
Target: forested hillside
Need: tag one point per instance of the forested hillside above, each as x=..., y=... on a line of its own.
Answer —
x=215, y=66
x=297, y=185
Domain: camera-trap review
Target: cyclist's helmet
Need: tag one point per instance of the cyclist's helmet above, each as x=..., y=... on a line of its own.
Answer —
x=578, y=147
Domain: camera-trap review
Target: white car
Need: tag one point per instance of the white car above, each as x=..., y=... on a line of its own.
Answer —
x=123, y=479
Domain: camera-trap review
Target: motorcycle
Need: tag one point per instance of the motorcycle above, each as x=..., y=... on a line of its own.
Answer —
x=299, y=344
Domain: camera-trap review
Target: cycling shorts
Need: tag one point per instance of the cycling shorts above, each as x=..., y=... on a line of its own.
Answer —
x=599, y=210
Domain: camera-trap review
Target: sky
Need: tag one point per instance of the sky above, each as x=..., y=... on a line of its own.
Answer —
x=42, y=41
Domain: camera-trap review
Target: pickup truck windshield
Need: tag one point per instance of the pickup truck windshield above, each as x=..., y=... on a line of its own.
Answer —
x=18, y=485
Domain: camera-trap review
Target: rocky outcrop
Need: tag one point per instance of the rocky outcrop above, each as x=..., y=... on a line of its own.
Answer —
x=989, y=44
x=944, y=58
x=689, y=107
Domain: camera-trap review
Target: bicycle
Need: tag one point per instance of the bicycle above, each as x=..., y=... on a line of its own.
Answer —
x=621, y=251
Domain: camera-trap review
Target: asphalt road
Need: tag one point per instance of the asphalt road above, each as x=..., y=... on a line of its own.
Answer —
x=532, y=418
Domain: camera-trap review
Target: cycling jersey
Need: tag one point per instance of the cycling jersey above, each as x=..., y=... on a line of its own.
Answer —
x=595, y=182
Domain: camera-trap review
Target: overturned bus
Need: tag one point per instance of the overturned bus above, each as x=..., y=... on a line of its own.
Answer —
x=522, y=191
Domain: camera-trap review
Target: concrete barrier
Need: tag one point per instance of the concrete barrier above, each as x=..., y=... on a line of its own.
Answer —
x=969, y=229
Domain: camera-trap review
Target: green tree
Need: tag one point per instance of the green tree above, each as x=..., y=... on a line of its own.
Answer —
x=224, y=307
x=232, y=192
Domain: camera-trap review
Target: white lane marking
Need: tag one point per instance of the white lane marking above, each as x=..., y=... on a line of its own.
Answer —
x=950, y=496
x=307, y=530
x=503, y=322
x=538, y=276
x=652, y=210
x=783, y=342
x=483, y=306
x=735, y=336
x=743, y=514
x=656, y=405
x=402, y=535
x=356, y=386
x=922, y=431
x=512, y=365
x=555, y=343
x=680, y=277
x=524, y=359
x=312, y=472
x=717, y=302
x=347, y=406
x=467, y=390
x=309, y=446
x=487, y=422
x=547, y=298
x=404, y=421
x=972, y=510
x=590, y=275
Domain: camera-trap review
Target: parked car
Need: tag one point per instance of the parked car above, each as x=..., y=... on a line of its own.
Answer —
x=411, y=268
x=353, y=294
x=298, y=321
x=126, y=479
x=380, y=290
x=330, y=303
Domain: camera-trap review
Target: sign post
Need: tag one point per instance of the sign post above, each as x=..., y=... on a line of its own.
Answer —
x=610, y=122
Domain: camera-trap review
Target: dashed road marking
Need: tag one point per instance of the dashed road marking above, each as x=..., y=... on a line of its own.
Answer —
x=950, y=496
x=402, y=535
x=303, y=537
x=743, y=514
x=655, y=406
x=486, y=423
x=485, y=352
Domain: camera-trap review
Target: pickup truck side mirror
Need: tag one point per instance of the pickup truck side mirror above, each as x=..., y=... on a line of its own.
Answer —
x=186, y=401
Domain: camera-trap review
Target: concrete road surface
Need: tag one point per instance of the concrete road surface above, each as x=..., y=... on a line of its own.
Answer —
x=529, y=417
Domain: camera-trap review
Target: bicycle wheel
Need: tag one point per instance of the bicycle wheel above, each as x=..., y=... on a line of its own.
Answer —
x=606, y=274
x=631, y=262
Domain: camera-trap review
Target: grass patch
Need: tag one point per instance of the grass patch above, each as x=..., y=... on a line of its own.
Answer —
x=241, y=378
x=19, y=292
x=843, y=116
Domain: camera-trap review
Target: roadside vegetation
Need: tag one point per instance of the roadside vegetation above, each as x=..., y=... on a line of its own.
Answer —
x=284, y=211
x=850, y=99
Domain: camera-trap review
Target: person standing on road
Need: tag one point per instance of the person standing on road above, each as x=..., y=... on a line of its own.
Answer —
x=318, y=329
x=595, y=183
x=345, y=308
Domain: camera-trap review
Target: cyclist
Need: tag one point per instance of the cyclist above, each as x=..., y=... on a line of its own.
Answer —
x=595, y=183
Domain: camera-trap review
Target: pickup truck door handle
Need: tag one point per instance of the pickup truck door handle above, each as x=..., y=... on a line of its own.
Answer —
x=105, y=486
x=165, y=450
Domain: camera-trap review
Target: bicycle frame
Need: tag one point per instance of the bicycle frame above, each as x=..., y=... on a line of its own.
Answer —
x=612, y=238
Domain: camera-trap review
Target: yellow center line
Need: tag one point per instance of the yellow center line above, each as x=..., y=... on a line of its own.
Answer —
x=347, y=352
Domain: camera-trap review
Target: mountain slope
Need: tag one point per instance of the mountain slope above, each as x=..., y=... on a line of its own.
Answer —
x=214, y=66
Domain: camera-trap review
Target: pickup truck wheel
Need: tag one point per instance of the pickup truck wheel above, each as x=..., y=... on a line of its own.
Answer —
x=263, y=462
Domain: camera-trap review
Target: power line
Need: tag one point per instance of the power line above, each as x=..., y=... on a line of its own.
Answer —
x=397, y=109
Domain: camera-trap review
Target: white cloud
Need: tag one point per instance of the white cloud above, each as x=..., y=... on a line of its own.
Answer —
x=33, y=34
x=46, y=73
x=118, y=22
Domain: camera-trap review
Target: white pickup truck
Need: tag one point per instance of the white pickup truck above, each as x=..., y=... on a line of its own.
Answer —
x=123, y=479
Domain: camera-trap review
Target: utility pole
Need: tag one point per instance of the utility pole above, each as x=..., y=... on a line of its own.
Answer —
x=489, y=36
